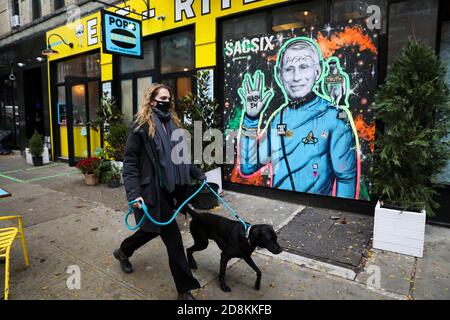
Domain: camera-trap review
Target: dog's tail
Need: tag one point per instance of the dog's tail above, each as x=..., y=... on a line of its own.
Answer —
x=192, y=212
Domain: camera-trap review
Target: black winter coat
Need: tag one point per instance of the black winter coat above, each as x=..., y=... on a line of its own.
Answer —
x=141, y=175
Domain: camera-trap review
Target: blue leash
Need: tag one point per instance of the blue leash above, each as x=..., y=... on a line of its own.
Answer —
x=147, y=214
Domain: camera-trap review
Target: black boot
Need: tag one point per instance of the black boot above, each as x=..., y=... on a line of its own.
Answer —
x=125, y=264
x=185, y=296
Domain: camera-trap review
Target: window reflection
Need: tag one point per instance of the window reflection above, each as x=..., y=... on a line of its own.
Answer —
x=245, y=26
x=345, y=10
x=79, y=104
x=407, y=19
x=177, y=52
x=298, y=16
x=128, y=65
x=85, y=66
x=142, y=86
x=126, y=87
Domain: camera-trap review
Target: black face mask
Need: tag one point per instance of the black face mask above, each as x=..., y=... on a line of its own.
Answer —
x=163, y=105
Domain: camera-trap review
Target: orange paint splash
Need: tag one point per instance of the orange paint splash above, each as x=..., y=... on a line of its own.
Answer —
x=366, y=132
x=351, y=36
x=256, y=179
x=272, y=58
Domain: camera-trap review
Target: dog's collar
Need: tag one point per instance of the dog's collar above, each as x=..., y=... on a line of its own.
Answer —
x=247, y=234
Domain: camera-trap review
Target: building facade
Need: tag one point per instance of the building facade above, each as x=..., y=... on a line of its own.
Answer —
x=23, y=68
x=246, y=45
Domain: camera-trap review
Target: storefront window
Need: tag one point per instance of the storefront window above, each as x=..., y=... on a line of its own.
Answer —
x=61, y=105
x=126, y=87
x=345, y=10
x=183, y=86
x=177, y=52
x=94, y=99
x=9, y=115
x=79, y=104
x=415, y=18
x=129, y=65
x=245, y=26
x=142, y=85
x=444, y=176
x=298, y=16
x=84, y=66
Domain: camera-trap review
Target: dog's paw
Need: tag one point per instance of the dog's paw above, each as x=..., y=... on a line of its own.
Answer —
x=257, y=286
x=225, y=288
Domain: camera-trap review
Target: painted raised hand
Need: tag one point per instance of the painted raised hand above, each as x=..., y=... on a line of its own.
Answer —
x=253, y=94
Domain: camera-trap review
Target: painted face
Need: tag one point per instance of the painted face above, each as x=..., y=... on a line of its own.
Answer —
x=300, y=70
x=162, y=95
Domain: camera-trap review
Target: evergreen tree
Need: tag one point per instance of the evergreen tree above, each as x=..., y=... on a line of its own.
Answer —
x=413, y=105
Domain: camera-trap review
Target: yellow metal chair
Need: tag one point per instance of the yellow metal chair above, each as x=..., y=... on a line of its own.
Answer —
x=7, y=237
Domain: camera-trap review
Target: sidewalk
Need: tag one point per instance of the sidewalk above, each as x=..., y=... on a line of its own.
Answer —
x=70, y=224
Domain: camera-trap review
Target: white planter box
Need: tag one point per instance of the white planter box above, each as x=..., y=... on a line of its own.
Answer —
x=399, y=231
x=215, y=176
x=29, y=157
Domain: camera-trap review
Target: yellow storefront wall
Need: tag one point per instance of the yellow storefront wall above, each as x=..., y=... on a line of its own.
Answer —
x=80, y=141
x=205, y=38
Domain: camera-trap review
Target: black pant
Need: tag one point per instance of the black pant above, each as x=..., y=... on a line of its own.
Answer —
x=170, y=234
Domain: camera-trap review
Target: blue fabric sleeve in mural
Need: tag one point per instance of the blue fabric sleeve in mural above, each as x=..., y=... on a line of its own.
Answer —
x=343, y=159
x=254, y=154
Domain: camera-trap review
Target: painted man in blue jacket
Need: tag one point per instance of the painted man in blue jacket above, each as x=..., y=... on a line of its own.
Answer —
x=308, y=141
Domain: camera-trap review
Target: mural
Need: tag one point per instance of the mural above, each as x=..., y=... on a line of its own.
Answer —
x=300, y=101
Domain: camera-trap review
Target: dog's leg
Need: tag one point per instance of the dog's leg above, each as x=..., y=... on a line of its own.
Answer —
x=223, y=267
x=198, y=246
x=200, y=242
x=253, y=265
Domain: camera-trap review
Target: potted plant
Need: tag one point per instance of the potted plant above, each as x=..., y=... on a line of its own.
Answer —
x=105, y=165
x=203, y=108
x=413, y=105
x=108, y=113
x=90, y=168
x=36, y=146
x=115, y=144
x=112, y=177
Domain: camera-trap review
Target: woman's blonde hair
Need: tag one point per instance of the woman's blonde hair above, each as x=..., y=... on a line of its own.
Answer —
x=145, y=115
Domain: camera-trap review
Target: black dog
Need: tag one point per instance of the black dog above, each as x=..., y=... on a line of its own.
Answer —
x=231, y=238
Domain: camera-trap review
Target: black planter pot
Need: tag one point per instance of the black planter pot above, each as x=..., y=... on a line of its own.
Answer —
x=205, y=199
x=37, y=161
x=114, y=183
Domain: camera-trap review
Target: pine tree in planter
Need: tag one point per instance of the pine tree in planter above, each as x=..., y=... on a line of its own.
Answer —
x=413, y=105
x=36, y=146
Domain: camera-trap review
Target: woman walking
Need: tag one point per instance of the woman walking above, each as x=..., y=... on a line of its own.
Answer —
x=151, y=176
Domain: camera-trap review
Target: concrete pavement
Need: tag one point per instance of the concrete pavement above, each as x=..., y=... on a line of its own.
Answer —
x=69, y=225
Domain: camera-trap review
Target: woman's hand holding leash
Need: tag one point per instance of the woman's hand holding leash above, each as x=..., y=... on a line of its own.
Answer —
x=138, y=203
